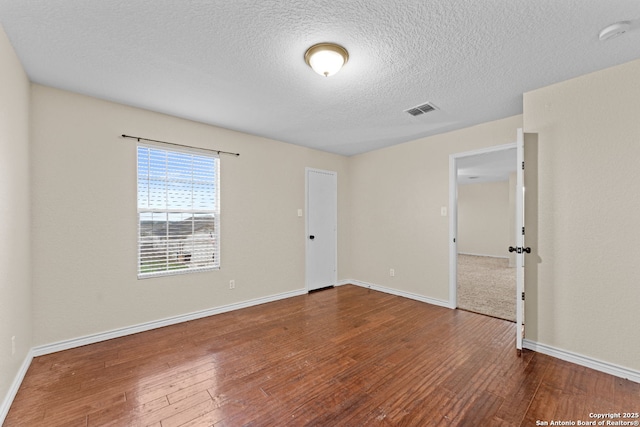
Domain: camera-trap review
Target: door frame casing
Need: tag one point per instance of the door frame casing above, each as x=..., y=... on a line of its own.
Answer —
x=307, y=170
x=453, y=214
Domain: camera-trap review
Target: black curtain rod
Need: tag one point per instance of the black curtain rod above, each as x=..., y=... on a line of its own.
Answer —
x=179, y=145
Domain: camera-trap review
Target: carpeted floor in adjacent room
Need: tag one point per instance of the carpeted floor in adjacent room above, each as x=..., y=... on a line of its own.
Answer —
x=487, y=285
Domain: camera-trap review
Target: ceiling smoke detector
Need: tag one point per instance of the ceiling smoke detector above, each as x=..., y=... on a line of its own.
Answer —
x=614, y=30
x=421, y=109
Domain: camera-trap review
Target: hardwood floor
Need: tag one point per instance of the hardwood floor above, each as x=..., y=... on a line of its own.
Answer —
x=347, y=356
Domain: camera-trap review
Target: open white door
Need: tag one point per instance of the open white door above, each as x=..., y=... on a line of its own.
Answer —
x=322, y=238
x=520, y=248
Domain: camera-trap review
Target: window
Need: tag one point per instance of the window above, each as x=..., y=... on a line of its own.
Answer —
x=178, y=212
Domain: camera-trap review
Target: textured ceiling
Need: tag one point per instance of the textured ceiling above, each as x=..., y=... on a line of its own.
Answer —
x=239, y=64
x=487, y=167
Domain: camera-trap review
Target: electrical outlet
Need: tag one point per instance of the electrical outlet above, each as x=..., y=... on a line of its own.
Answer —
x=232, y=284
x=392, y=272
x=13, y=345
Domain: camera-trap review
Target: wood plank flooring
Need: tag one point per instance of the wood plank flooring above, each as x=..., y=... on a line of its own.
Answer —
x=347, y=356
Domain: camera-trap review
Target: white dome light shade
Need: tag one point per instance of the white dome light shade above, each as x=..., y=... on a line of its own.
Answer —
x=326, y=59
x=326, y=62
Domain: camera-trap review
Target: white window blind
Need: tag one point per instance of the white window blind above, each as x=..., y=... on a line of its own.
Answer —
x=178, y=211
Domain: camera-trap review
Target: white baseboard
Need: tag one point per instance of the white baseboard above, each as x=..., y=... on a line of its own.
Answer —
x=15, y=385
x=129, y=330
x=578, y=359
x=344, y=282
x=399, y=293
x=103, y=336
x=484, y=255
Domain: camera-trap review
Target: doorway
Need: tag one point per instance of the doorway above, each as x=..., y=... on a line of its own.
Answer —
x=321, y=228
x=482, y=273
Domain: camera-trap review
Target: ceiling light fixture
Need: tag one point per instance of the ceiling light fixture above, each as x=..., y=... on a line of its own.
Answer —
x=326, y=59
x=614, y=30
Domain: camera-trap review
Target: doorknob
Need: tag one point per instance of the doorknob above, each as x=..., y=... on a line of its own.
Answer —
x=519, y=249
x=312, y=237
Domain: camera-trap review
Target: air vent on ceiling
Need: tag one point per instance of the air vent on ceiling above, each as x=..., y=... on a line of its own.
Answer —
x=421, y=109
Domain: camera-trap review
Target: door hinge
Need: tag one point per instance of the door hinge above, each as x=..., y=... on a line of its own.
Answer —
x=522, y=296
x=522, y=165
x=523, y=231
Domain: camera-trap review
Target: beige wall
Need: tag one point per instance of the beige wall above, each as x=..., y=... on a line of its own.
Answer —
x=582, y=278
x=85, y=227
x=15, y=287
x=586, y=292
x=396, y=196
x=483, y=219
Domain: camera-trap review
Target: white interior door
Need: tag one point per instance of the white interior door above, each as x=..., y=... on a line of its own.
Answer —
x=322, y=218
x=520, y=248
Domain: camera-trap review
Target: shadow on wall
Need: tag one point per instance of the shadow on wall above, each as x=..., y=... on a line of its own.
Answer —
x=532, y=260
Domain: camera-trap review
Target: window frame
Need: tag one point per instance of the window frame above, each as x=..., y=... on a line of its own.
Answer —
x=170, y=211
